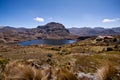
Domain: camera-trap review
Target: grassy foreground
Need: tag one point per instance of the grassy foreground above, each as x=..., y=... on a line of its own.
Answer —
x=83, y=60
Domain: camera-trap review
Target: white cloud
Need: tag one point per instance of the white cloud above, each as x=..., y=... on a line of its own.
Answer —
x=110, y=20
x=39, y=19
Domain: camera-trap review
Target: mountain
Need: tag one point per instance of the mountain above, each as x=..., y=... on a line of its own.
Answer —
x=51, y=30
x=11, y=34
x=2, y=27
x=116, y=29
x=85, y=31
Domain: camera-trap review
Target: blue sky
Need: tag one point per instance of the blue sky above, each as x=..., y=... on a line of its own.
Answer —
x=71, y=13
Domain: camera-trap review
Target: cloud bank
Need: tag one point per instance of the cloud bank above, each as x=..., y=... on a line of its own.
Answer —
x=39, y=19
x=110, y=20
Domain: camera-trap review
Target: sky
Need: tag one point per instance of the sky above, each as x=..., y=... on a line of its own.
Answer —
x=71, y=13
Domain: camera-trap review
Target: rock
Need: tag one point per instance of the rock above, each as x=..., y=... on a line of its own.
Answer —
x=84, y=76
x=52, y=31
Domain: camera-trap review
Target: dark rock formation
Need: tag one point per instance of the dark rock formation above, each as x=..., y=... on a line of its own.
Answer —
x=52, y=30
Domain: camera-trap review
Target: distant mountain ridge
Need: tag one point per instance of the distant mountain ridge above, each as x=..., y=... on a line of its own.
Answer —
x=86, y=31
x=51, y=30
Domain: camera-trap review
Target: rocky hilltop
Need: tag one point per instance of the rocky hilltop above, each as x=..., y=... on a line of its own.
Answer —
x=51, y=30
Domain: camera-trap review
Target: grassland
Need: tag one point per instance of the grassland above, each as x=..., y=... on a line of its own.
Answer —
x=83, y=60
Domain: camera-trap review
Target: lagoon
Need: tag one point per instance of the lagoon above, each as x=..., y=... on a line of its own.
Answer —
x=47, y=41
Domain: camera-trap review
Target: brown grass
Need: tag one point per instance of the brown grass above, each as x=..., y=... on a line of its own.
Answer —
x=106, y=72
x=84, y=57
x=20, y=71
x=63, y=74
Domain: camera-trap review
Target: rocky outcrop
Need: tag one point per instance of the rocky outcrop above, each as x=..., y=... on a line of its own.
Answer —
x=51, y=31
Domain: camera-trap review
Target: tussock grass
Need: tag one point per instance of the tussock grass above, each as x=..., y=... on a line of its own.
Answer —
x=84, y=57
x=106, y=72
x=20, y=71
x=63, y=74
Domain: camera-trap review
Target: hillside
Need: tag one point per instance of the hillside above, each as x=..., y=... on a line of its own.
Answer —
x=11, y=34
x=86, y=59
x=49, y=31
x=82, y=60
x=85, y=31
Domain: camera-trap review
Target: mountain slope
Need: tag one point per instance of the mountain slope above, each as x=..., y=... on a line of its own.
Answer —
x=49, y=31
x=52, y=31
x=94, y=31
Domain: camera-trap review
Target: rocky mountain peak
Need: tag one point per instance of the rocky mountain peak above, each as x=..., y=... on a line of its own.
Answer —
x=53, y=29
x=52, y=25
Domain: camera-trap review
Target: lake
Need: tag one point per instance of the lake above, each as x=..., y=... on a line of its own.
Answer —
x=47, y=41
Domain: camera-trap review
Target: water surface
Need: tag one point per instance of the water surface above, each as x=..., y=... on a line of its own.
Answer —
x=47, y=41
